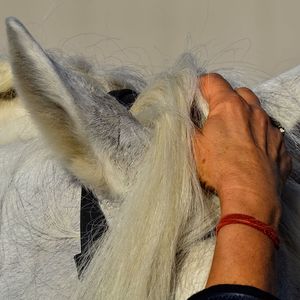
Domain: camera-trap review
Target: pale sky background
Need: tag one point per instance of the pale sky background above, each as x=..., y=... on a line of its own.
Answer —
x=259, y=36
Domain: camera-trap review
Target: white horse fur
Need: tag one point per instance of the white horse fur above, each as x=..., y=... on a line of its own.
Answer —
x=64, y=130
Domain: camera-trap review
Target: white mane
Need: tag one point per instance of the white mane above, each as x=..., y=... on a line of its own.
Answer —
x=160, y=240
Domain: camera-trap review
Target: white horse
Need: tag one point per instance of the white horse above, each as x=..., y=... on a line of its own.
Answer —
x=160, y=239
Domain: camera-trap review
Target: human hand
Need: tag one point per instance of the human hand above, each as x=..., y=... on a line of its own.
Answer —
x=238, y=152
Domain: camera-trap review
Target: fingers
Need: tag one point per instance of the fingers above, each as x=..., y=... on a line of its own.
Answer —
x=237, y=127
x=215, y=89
x=274, y=142
x=260, y=121
x=245, y=104
x=248, y=96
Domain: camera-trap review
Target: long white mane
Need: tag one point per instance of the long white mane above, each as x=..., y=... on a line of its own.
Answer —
x=61, y=130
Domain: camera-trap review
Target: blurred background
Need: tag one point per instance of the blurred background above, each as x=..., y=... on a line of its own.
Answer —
x=258, y=36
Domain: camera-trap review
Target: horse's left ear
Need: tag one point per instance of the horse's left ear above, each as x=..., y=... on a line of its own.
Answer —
x=89, y=130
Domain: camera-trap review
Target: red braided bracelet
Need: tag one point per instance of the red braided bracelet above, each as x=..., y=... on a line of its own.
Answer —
x=250, y=221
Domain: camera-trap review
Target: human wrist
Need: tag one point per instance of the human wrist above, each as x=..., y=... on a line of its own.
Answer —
x=231, y=264
x=264, y=207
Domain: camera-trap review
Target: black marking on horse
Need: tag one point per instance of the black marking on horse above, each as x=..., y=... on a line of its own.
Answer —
x=93, y=224
x=8, y=95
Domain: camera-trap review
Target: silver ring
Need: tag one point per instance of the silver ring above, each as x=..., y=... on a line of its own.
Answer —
x=276, y=124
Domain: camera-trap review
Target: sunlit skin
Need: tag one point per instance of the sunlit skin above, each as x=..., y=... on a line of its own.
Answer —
x=241, y=156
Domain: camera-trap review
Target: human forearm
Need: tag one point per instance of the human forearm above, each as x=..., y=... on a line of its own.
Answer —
x=244, y=255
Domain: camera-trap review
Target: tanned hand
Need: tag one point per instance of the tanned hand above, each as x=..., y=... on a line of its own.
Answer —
x=242, y=156
x=239, y=151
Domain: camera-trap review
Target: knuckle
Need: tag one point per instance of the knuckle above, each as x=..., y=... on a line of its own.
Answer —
x=278, y=134
x=235, y=106
x=248, y=95
x=260, y=118
x=214, y=76
x=207, y=78
x=277, y=137
x=260, y=114
x=244, y=90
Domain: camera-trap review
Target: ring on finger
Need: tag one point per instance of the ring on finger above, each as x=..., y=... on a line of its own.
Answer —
x=276, y=124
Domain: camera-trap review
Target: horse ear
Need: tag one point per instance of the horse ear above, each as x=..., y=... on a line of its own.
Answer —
x=280, y=97
x=89, y=130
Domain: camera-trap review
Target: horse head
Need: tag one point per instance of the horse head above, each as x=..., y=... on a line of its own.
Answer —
x=160, y=241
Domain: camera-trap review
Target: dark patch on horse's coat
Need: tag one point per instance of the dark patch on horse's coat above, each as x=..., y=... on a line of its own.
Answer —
x=9, y=94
